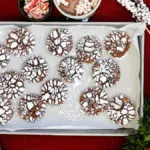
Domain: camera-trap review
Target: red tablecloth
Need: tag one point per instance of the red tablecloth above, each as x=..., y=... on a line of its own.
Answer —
x=109, y=10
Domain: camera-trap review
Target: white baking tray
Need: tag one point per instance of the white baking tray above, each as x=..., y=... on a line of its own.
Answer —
x=89, y=132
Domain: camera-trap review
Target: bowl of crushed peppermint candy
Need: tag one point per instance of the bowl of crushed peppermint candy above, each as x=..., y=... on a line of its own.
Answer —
x=35, y=10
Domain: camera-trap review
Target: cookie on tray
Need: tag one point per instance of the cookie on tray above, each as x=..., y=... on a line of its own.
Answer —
x=4, y=56
x=106, y=73
x=89, y=49
x=20, y=42
x=121, y=110
x=31, y=107
x=35, y=69
x=71, y=69
x=59, y=42
x=117, y=43
x=6, y=110
x=94, y=100
x=54, y=92
x=11, y=85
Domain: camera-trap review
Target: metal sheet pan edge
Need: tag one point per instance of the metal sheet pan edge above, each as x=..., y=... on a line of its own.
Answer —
x=92, y=132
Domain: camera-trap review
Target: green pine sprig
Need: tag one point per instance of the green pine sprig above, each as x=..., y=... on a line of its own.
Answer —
x=141, y=139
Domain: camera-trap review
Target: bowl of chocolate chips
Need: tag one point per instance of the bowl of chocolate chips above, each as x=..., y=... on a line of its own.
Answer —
x=77, y=9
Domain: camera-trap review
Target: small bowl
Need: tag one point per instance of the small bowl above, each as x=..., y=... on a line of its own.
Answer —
x=21, y=4
x=78, y=17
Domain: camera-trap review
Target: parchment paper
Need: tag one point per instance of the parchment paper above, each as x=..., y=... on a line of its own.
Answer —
x=70, y=115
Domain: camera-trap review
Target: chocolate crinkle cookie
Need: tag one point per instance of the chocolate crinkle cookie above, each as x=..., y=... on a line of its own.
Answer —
x=54, y=92
x=120, y=110
x=35, y=69
x=59, y=42
x=6, y=110
x=71, y=69
x=106, y=73
x=94, y=100
x=31, y=107
x=11, y=85
x=4, y=56
x=20, y=42
x=117, y=43
x=89, y=49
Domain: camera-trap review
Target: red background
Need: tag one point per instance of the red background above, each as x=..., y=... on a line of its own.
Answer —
x=109, y=10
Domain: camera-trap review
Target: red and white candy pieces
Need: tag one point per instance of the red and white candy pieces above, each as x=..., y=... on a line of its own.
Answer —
x=37, y=9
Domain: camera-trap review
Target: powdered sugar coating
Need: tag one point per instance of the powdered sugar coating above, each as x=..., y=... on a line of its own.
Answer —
x=54, y=92
x=59, y=42
x=31, y=107
x=71, y=69
x=4, y=56
x=117, y=43
x=20, y=42
x=35, y=69
x=6, y=110
x=94, y=100
x=11, y=85
x=89, y=49
x=120, y=110
x=106, y=73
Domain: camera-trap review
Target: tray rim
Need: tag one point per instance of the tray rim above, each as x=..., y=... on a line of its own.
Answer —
x=86, y=132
